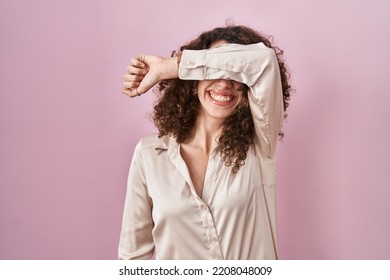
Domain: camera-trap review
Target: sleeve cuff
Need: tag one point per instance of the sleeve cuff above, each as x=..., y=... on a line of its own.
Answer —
x=191, y=65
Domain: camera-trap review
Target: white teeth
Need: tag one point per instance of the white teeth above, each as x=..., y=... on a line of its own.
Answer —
x=221, y=98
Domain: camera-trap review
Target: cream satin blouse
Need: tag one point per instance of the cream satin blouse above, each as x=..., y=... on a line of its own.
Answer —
x=235, y=218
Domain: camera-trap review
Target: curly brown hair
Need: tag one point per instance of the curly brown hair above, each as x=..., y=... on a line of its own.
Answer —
x=177, y=108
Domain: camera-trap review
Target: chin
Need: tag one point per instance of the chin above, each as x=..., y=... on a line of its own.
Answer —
x=221, y=115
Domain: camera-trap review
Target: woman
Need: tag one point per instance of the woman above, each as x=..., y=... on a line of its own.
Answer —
x=204, y=187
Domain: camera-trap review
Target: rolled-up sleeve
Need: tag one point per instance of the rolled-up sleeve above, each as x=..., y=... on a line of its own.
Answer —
x=136, y=241
x=254, y=65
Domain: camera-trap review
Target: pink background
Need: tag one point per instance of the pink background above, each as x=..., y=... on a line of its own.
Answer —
x=67, y=134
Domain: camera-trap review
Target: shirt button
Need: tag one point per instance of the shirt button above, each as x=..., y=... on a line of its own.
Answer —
x=192, y=62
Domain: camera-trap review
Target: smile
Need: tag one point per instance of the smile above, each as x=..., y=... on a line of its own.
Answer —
x=221, y=98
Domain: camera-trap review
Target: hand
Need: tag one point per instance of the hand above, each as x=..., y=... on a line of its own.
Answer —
x=146, y=71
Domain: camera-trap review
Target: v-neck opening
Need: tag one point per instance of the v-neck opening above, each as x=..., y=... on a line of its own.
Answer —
x=190, y=179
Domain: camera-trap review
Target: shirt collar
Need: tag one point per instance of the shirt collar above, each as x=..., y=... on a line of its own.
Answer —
x=167, y=143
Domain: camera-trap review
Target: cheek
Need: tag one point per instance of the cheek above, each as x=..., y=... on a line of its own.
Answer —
x=202, y=85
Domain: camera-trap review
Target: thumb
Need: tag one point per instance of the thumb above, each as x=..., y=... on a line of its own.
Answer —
x=148, y=81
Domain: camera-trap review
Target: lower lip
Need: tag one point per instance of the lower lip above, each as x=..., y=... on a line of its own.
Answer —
x=219, y=103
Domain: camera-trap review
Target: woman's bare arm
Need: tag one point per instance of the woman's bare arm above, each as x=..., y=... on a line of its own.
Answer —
x=146, y=71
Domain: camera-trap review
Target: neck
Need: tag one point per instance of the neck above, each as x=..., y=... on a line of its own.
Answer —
x=205, y=133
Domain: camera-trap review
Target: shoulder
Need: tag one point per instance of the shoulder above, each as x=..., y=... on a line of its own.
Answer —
x=153, y=142
x=152, y=150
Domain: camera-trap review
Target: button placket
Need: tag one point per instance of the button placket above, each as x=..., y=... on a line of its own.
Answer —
x=211, y=233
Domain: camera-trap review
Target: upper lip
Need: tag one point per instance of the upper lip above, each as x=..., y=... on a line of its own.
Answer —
x=222, y=92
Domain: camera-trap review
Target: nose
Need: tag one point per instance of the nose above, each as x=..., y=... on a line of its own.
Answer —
x=225, y=83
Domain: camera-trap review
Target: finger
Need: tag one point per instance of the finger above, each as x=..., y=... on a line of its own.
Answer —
x=132, y=78
x=130, y=85
x=126, y=91
x=131, y=69
x=137, y=62
x=131, y=92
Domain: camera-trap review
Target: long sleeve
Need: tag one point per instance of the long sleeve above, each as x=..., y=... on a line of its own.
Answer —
x=136, y=240
x=254, y=65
